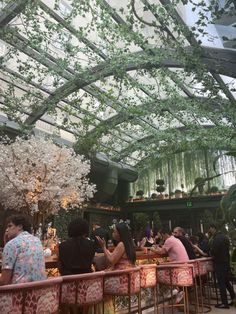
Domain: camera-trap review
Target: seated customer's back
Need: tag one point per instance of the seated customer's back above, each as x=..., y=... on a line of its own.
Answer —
x=76, y=254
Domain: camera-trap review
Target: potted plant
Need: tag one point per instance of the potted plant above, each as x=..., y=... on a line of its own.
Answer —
x=130, y=199
x=200, y=182
x=154, y=196
x=214, y=190
x=178, y=193
x=160, y=187
x=160, y=182
x=171, y=194
x=140, y=193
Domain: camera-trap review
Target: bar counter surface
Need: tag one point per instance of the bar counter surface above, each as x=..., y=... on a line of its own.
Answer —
x=141, y=258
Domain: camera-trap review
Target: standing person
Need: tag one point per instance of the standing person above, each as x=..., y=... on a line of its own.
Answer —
x=22, y=259
x=76, y=254
x=172, y=247
x=101, y=233
x=179, y=233
x=220, y=253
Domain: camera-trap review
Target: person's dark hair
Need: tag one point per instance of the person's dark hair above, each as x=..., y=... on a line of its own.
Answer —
x=193, y=239
x=201, y=236
x=213, y=226
x=165, y=231
x=77, y=228
x=20, y=220
x=125, y=237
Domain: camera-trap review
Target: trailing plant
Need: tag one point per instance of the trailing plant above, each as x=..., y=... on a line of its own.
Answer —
x=72, y=68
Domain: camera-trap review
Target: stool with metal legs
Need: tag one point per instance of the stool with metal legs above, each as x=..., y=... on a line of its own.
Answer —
x=149, y=280
x=124, y=282
x=176, y=275
x=83, y=290
x=211, y=280
x=202, y=274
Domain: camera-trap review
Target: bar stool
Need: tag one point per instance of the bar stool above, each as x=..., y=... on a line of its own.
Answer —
x=124, y=282
x=149, y=280
x=176, y=275
x=82, y=290
x=202, y=273
x=211, y=279
x=36, y=297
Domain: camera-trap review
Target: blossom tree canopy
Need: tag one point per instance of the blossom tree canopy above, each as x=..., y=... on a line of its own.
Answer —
x=38, y=176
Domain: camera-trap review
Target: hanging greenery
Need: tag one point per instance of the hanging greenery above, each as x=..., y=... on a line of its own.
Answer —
x=104, y=74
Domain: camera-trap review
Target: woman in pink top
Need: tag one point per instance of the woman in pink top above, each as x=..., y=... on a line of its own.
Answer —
x=172, y=247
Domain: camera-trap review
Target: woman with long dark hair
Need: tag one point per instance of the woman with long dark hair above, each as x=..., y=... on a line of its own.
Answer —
x=123, y=255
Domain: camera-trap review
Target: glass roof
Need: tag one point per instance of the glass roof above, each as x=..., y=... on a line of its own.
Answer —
x=136, y=79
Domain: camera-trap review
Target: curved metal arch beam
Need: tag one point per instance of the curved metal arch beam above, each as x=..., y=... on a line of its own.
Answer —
x=217, y=60
x=151, y=139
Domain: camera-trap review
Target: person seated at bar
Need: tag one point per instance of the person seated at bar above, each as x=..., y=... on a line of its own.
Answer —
x=98, y=230
x=22, y=258
x=172, y=247
x=203, y=243
x=194, y=241
x=76, y=254
x=148, y=240
x=179, y=233
x=124, y=255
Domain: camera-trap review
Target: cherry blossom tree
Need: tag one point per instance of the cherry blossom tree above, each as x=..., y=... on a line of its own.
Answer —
x=38, y=177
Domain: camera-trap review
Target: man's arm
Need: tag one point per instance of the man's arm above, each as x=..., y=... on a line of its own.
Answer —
x=159, y=250
x=5, y=278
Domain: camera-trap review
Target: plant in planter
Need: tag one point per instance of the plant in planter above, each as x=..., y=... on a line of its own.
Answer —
x=130, y=199
x=228, y=206
x=140, y=193
x=178, y=193
x=200, y=182
x=154, y=196
x=213, y=190
x=160, y=187
x=171, y=194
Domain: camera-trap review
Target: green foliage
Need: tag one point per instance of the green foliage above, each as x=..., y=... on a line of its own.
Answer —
x=214, y=189
x=54, y=48
x=157, y=225
x=160, y=188
x=160, y=182
x=228, y=206
x=139, y=193
x=62, y=219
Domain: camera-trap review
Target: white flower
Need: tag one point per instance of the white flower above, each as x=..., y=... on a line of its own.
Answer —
x=37, y=175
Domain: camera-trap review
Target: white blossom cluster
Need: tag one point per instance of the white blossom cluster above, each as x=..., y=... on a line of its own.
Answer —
x=38, y=176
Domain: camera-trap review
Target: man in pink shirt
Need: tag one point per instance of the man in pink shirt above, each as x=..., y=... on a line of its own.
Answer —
x=172, y=247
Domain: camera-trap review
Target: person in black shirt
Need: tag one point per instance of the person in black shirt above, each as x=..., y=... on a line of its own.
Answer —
x=76, y=254
x=220, y=253
x=100, y=232
x=178, y=232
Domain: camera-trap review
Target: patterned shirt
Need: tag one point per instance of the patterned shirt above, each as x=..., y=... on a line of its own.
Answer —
x=24, y=255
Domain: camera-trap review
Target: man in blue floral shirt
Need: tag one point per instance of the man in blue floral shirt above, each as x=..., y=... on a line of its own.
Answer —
x=22, y=259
